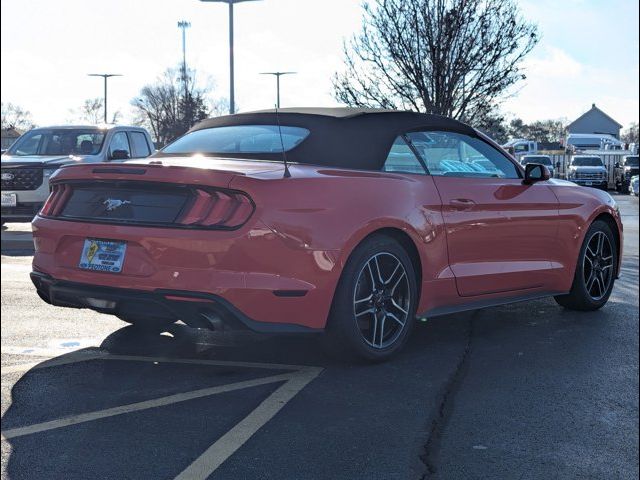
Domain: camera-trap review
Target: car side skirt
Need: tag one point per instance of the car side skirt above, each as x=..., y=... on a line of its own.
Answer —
x=486, y=303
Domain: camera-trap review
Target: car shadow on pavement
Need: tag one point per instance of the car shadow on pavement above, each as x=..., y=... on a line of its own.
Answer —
x=160, y=442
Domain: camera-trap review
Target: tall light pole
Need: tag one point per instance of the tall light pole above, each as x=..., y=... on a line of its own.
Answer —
x=183, y=24
x=232, y=102
x=278, y=75
x=105, y=76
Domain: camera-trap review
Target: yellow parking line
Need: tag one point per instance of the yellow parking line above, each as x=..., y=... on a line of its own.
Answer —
x=136, y=407
x=231, y=441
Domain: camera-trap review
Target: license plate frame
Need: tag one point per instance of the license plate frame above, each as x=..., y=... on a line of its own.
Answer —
x=588, y=184
x=9, y=200
x=103, y=255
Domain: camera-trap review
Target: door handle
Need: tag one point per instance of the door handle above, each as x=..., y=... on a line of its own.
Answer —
x=462, y=203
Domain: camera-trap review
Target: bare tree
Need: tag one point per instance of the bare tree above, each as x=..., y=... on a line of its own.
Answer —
x=458, y=58
x=168, y=107
x=14, y=116
x=91, y=112
x=545, y=131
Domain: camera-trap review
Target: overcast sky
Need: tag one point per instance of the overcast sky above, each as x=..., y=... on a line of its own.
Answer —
x=588, y=53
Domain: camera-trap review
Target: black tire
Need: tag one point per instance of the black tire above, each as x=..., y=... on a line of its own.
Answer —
x=589, y=293
x=354, y=334
x=149, y=324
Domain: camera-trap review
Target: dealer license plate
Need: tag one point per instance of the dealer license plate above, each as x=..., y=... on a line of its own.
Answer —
x=103, y=255
x=9, y=200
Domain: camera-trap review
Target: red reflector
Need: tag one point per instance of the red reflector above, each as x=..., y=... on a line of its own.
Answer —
x=179, y=298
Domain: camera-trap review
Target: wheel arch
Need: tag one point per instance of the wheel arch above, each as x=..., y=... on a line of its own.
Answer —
x=607, y=218
x=402, y=236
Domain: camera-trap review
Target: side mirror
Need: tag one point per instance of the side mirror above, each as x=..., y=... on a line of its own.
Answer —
x=535, y=172
x=119, y=155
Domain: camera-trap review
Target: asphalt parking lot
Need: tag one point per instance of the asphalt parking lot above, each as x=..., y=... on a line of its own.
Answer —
x=523, y=391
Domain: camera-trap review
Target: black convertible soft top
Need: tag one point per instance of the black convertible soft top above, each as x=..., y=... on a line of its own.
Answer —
x=354, y=138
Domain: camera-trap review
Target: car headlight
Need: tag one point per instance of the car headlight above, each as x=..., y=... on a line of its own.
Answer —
x=47, y=172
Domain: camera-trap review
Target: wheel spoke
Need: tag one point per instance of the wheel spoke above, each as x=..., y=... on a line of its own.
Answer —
x=601, y=238
x=382, y=330
x=590, y=281
x=366, y=299
x=393, y=302
x=373, y=282
x=395, y=318
x=388, y=281
x=375, y=328
x=364, y=312
x=597, y=281
x=393, y=289
x=378, y=269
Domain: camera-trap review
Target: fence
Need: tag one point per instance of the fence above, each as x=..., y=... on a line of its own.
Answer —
x=609, y=158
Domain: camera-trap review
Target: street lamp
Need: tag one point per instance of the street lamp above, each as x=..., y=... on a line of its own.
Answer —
x=105, y=76
x=232, y=103
x=278, y=75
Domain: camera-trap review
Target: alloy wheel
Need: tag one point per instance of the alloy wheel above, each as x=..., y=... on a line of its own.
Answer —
x=597, y=265
x=381, y=300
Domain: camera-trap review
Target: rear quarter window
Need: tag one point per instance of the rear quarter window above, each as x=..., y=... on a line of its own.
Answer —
x=139, y=146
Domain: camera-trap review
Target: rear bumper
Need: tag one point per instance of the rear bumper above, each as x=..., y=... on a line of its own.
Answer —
x=268, y=279
x=195, y=308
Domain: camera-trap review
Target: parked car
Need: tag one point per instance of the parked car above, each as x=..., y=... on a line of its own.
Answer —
x=36, y=155
x=588, y=171
x=624, y=171
x=633, y=185
x=541, y=159
x=347, y=222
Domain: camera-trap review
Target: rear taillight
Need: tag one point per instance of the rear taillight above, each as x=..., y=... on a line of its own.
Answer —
x=215, y=208
x=56, y=200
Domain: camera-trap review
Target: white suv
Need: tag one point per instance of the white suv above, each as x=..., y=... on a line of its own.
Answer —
x=35, y=156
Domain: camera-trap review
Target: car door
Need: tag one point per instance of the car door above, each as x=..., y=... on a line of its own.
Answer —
x=501, y=233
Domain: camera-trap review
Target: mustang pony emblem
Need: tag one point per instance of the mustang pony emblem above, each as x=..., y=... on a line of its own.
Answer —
x=112, y=203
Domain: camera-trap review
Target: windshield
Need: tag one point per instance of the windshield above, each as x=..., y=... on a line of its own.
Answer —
x=587, y=162
x=631, y=162
x=239, y=139
x=62, y=141
x=542, y=160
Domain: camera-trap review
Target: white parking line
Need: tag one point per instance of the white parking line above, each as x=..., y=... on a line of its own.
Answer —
x=295, y=380
x=89, y=355
x=231, y=441
x=136, y=407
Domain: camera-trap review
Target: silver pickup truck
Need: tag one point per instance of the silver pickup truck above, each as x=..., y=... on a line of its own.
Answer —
x=35, y=156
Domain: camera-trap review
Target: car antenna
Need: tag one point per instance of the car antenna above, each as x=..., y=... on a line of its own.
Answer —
x=287, y=173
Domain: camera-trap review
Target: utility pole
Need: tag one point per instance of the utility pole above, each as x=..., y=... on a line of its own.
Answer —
x=232, y=102
x=184, y=25
x=105, y=76
x=278, y=75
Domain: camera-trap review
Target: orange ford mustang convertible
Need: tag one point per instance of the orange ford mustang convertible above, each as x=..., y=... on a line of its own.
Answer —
x=346, y=222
